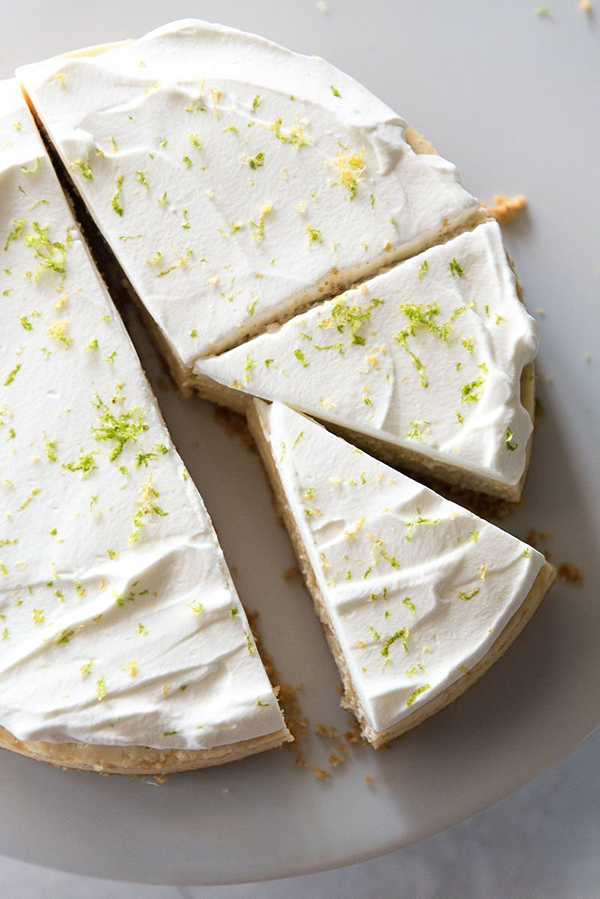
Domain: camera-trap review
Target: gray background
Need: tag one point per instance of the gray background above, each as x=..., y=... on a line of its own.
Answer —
x=514, y=88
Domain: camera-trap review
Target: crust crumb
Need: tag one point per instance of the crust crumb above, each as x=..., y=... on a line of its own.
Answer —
x=534, y=538
x=586, y=6
x=320, y=774
x=324, y=730
x=570, y=573
x=353, y=736
x=300, y=759
x=290, y=573
x=336, y=760
x=368, y=780
x=504, y=209
x=297, y=722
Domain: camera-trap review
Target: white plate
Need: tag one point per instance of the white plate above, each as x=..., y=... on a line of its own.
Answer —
x=511, y=98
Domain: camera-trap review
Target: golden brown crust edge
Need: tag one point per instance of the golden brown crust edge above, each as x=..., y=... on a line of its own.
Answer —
x=350, y=701
x=137, y=760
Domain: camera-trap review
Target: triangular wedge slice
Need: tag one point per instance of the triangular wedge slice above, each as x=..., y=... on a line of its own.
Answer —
x=123, y=644
x=427, y=365
x=418, y=597
x=236, y=181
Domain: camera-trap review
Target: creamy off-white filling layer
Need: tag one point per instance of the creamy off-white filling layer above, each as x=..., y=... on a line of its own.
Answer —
x=119, y=621
x=427, y=356
x=236, y=181
x=416, y=588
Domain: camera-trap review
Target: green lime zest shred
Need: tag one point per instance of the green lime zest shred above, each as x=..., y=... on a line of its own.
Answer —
x=84, y=167
x=301, y=358
x=401, y=635
x=508, y=439
x=117, y=196
x=417, y=692
x=12, y=375
x=120, y=429
x=86, y=463
x=64, y=636
x=256, y=161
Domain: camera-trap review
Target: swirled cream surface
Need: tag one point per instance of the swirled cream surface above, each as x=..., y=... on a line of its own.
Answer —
x=235, y=180
x=427, y=356
x=119, y=621
x=417, y=588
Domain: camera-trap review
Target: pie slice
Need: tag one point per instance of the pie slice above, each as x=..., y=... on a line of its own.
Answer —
x=124, y=646
x=236, y=181
x=426, y=365
x=418, y=597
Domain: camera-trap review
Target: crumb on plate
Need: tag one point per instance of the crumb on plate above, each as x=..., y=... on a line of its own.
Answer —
x=570, y=573
x=504, y=208
x=325, y=730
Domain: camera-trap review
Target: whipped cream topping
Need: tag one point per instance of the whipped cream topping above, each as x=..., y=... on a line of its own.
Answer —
x=236, y=181
x=417, y=588
x=427, y=356
x=119, y=621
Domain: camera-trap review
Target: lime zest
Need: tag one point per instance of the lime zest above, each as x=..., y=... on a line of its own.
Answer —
x=417, y=692
x=117, y=196
x=456, y=268
x=508, y=439
x=120, y=429
x=84, y=167
x=401, y=635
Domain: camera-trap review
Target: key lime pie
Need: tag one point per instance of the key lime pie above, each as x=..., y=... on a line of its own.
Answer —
x=418, y=597
x=124, y=646
x=288, y=237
